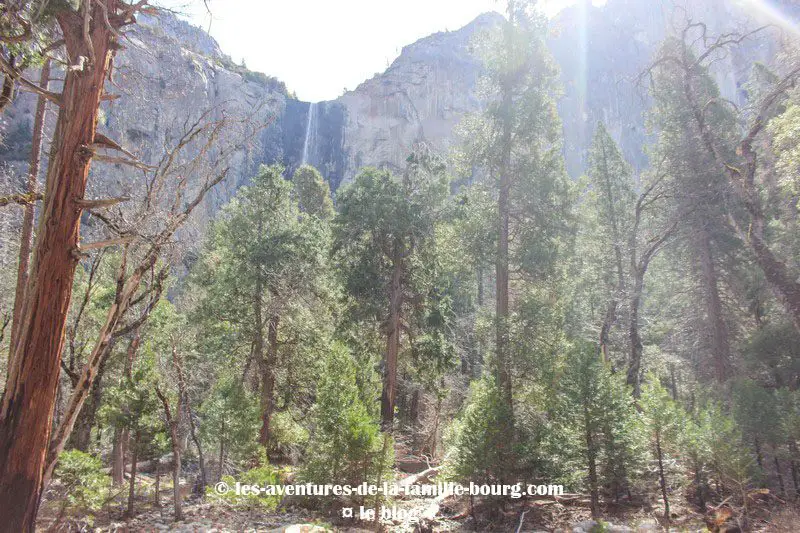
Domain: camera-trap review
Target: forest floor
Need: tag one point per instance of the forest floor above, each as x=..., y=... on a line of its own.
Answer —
x=529, y=516
x=568, y=514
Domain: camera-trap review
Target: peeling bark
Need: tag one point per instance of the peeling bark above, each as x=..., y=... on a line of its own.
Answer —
x=27, y=406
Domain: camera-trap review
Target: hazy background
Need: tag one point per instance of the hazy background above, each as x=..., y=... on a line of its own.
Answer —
x=320, y=47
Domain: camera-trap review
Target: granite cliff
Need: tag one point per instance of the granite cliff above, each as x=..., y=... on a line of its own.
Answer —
x=170, y=70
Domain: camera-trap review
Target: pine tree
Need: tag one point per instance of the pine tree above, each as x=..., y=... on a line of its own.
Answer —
x=607, y=222
x=701, y=201
x=596, y=406
x=516, y=144
x=262, y=269
x=384, y=228
x=345, y=445
x=663, y=420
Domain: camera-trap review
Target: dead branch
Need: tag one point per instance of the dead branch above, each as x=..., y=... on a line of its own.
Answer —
x=135, y=163
x=26, y=84
x=105, y=244
x=103, y=202
x=23, y=199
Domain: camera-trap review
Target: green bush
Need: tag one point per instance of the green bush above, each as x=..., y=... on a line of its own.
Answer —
x=262, y=475
x=345, y=444
x=289, y=436
x=84, y=485
x=476, y=443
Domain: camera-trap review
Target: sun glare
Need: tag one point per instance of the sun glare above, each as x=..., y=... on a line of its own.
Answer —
x=769, y=11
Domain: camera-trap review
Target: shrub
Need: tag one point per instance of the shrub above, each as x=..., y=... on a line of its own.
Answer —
x=477, y=444
x=82, y=481
x=262, y=475
x=345, y=444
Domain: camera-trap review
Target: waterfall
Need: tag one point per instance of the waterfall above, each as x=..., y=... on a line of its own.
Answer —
x=309, y=132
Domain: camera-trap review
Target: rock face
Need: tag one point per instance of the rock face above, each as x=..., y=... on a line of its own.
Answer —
x=420, y=98
x=169, y=76
x=603, y=51
x=170, y=72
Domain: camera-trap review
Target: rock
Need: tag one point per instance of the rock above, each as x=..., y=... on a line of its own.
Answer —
x=613, y=528
x=584, y=527
x=299, y=528
x=422, y=96
x=648, y=525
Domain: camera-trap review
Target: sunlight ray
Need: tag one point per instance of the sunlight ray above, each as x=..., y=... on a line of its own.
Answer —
x=768, y=10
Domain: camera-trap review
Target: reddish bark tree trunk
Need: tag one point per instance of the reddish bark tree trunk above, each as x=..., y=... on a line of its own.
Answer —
x=27, y=407
x=268, y=381
x=503, y=364
x=388, y=394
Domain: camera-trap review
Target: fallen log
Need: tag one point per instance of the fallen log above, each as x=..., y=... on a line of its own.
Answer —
x=146, y=466
x=425, y=475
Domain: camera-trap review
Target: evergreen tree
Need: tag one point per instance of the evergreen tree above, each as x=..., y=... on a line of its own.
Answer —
x=663, y=420
x=262, y=274
x=597, y=408
x=607, y=217
x=385, y=227
x=516, y=144
x=345, y=445
x=701, y=199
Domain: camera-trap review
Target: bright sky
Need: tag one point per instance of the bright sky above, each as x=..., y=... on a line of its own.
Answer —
x=320, y=47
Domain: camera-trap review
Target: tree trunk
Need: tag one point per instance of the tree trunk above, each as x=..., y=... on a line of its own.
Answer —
x=759, y=455
x=173, y=424
x=80, y=439
x=699, y=486
x=81, y=436
x=127, y=285
x=503, y=371
x=611, y=312
x=27, y=406
x=591, y=456
x=720, y=347
x=777, y=274
x=605, y=329
x=635, y=363
x=9, y=87
x=26, y=239
x=268, y=381
x=673, y=383
x=221, y=448
x=662, y=477
x=118, y=458
x=392, y=342
x=157, y=484
x=176, y=475
x=778, y=472
x=121, y=435
x=132, y=487
x=200, y=487
x=795, y=476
